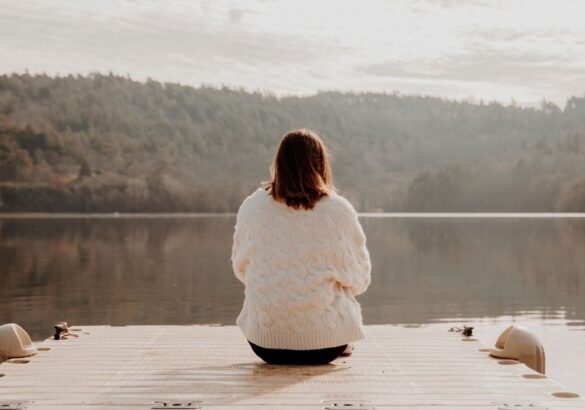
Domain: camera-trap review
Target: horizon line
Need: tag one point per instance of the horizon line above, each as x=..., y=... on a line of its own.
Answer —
x=171, y=215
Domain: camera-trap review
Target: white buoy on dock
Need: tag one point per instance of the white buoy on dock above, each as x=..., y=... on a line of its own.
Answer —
x=516, y=342
x=15, y=342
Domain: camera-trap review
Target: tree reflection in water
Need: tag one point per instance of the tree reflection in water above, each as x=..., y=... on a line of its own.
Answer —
x=176, y=270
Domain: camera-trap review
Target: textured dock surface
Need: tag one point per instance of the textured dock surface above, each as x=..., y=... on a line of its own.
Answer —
x=208, y=367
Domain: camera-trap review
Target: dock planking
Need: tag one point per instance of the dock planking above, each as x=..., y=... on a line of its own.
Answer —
x=200, y=367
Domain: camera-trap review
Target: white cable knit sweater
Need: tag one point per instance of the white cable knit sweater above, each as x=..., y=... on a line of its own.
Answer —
x=302, y=270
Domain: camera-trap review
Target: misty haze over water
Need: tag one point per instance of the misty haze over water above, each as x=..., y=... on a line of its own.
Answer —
x=105, y=143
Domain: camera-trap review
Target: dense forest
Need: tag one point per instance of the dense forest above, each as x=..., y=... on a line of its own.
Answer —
x=105, y=143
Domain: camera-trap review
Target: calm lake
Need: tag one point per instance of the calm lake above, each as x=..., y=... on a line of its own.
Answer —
x=488, y=271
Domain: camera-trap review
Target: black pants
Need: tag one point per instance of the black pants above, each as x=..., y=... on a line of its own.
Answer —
x=284, y=356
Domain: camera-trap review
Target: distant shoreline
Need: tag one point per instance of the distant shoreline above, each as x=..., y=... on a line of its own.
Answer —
x=124, y=215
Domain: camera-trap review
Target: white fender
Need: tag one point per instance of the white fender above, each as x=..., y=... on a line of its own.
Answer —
x=15, y=342
x=517, y=343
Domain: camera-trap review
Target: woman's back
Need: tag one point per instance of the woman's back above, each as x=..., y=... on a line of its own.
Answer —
x=302, y=269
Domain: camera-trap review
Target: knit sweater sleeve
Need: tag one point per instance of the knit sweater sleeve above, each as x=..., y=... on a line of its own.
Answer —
x=239, y=258
x=240, y=246
x=356, y=272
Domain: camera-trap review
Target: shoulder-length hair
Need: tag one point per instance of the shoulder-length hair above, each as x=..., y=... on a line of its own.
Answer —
x=301, y=172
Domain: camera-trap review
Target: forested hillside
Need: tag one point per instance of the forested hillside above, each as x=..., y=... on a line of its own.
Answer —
x=107, y=143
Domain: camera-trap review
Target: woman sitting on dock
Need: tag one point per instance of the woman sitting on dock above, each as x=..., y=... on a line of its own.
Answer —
x=301, y=252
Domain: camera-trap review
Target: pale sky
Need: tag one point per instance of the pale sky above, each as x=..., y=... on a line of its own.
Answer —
x=526, y=50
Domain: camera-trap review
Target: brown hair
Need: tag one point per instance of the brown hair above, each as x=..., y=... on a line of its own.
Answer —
x=301, y=171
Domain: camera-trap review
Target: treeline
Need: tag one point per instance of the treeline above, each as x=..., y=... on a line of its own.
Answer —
x=105, y=143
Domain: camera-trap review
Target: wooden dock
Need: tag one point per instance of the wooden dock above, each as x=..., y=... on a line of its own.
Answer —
x=212, y=367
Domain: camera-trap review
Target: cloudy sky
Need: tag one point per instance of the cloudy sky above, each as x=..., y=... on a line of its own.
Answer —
x=526, y=50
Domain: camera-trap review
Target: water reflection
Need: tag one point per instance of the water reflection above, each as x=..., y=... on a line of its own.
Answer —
x=429, y=269
x=116, y=271
x=177, y=270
